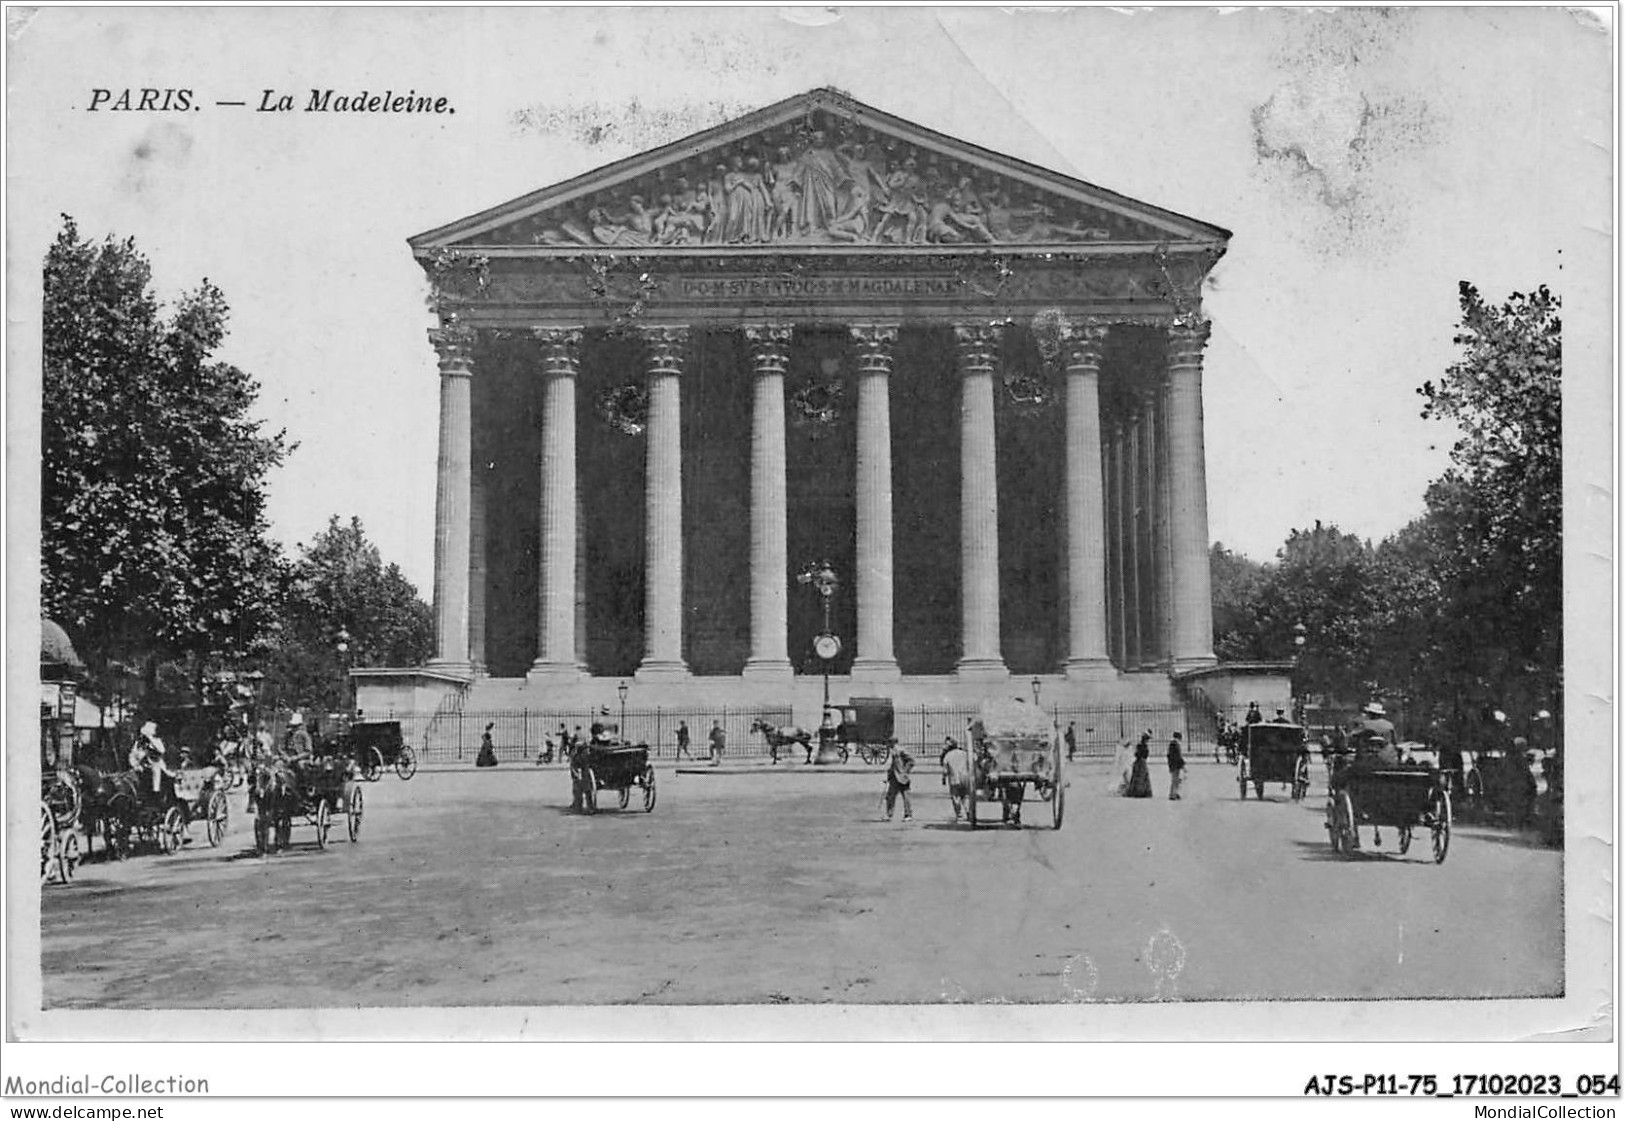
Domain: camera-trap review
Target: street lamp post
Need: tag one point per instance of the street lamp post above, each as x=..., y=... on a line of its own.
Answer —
x=821, y=577
x=621, y=691
x=344, y=670
x=1300, y=636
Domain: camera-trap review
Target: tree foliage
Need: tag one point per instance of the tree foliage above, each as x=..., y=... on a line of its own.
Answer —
x=339, y=589
x=1459, y=613
x=153, y=530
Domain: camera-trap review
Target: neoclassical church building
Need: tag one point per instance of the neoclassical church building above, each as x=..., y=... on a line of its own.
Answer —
x=679, y=393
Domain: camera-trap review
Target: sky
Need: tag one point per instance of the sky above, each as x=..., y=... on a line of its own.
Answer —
x=1365, y=160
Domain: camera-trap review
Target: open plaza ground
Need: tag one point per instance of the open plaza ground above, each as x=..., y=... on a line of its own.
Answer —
x=755, y=884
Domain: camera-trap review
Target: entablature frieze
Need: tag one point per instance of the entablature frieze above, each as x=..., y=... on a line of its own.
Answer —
x=626, y=291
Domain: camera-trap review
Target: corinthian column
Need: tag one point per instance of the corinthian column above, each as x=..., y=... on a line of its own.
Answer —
x=1087, y=655
x=1187, y=489
x=556, y=602
x=875, y=658
x=978, y=358
x=452, y=500
x=769, y=543
x=663, y=507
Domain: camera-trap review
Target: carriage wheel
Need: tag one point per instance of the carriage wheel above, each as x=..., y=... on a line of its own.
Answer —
x=219, y=814
x=1404, y=839
x=47, y=844
x=372, y=764
x=845, y=755
x=589, y=791
x=1057, y=801
x=355, y=815
x=68, y=855
x=626, y=796
x=406, y=763
x=1439, y=807
x=171, y=831
x=1333, y=833
x=324, y=822
x=1345, y=822
x=648, y=784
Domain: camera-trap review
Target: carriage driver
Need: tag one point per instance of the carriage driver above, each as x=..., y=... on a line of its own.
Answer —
x=147, y=755
x=1373, y=743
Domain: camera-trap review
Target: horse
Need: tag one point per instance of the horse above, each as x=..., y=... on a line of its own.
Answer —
x=110, y=803
x=783, y=736
x=273, y=796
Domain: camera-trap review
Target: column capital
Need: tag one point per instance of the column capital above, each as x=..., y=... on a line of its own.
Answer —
x=1186, y=339
x=874, y=343
x=560, y=349
x=978, y=346
x=665, y=348
x=1082, y=343
x=455, y=347
x=769, y=347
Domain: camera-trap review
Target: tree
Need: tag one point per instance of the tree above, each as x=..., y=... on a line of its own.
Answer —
x=339, y=587
x=1497, y=513
x=1238, y=586
x=153, y=530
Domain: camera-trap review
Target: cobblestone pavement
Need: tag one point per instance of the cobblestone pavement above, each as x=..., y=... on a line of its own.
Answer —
x=784, y=885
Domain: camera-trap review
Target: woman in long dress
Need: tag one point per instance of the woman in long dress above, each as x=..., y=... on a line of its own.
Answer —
x=1139, y=781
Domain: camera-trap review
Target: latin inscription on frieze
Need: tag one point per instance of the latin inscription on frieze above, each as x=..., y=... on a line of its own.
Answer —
x=793, y=287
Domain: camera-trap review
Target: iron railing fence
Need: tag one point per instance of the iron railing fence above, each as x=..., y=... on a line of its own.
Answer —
x=520, y=735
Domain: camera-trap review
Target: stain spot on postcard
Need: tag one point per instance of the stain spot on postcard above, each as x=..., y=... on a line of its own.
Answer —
x=1341, y=138
x=162, y=148
x=628, y=125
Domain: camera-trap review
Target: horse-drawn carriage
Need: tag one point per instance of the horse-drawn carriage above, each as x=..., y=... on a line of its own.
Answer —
x=1405, y=798
x=1012, y=746
x=611, y=764
x=373, y=745
x=867, y=725
x=1273, y=753
x=128, y=810
x=315, y=789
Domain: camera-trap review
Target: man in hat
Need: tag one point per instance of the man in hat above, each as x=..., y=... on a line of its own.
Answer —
x=297, y=745
x=147, y=755
x=1176, y=766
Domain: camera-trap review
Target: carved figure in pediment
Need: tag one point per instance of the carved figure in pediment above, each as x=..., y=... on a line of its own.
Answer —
x=903, y=214
x=1034, y=222
x=957, y=217
x=818, y=177
x=716, y=200
x=783, y=193
x=569, y=231
x=745, y=218
x=683, y=216
x=612, y=230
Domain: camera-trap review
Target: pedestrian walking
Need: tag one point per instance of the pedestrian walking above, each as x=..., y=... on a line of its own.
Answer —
x=899, y=774
x=1139, y=781
x=719, y=742
x=1071, y=741
x=1176, y=767
x=682, y=740
x=488, y=750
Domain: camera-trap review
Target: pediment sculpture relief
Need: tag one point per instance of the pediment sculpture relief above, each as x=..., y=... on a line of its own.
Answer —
x=826, y=185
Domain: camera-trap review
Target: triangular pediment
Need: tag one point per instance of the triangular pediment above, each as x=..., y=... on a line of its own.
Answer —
x=818, y=169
